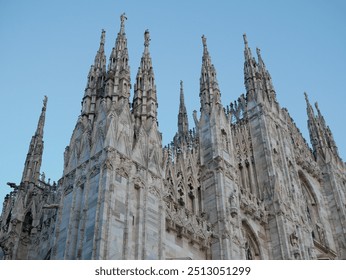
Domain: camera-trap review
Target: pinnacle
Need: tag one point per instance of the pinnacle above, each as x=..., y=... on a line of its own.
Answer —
x=146, y=39
x=204, y=41
x=122, y=23
x=245, y=39
x=103, y=37
x=258, y=51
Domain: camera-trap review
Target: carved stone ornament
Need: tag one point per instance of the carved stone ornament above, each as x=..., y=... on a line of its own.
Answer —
x=154, y=191
x=294, y=239
x=107, y=164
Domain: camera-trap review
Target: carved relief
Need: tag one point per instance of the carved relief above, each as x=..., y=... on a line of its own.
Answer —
x=155, y=191
x=108, y=165
x=95, y=170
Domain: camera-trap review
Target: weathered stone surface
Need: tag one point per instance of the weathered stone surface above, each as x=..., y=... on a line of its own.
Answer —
x=242, y=184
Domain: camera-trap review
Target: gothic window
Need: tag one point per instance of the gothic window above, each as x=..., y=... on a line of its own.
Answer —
x=224, y=140
x=8, y=220
x=191, y=195
x=246, y=176
x=27, y=224
x=181, y=193
x=170, y=192
x=251, y=247
x=311, y=210
x=199, y=199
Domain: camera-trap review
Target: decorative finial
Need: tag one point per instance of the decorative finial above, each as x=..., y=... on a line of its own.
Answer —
x=122, y=22
x=103, y=37
x=258, y=51
x=306, y=97
x=245, y=39
x=204, y=41
x=308, y=105
x=181, y=93
x=146, y=38
x=45, y=99
x=317, y=108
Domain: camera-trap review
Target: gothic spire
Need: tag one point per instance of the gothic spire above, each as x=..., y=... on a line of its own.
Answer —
x=120, y=48
x=266, y=78
x=145, y=100
x=321, y=136
x=257, y=80
x=183, y=123
x=247, y=50
x=122, y=23
x=209, y=87
x=96, y=78
x=33, y=160
x=250, y=69
x=312, y=126
x=309, y=109
x=99, y=66
x=100, y=58
x=118, y=83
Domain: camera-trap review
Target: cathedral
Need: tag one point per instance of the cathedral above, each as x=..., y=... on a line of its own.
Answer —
x=240, y=183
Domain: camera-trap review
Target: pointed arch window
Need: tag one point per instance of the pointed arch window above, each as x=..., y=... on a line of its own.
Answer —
x=311, y=210
x=27, y=224
x=181, y=192
x=251, y=244
x=8, y=220
x=191, y=194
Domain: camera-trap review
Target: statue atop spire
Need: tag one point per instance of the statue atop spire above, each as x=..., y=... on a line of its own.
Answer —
x=204, y=41
x=146, y=39
x=118, y=81
x=145, y=99
x=103, y=37
x=122, y=23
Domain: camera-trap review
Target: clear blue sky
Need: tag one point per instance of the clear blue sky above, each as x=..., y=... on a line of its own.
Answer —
x=47, y=48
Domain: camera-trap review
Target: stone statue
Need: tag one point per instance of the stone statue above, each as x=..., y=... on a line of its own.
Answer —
x=123, y=18
x=248, y=251
x=294, y=239
x=43, y=177
x=146, y=38
x=204, y=41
